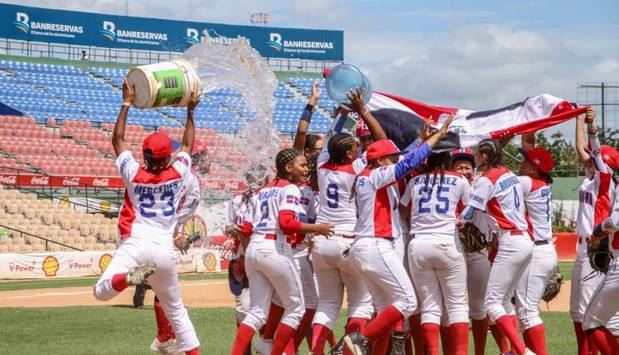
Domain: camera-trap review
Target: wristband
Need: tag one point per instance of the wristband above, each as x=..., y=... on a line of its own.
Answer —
x=126, y=104
x=307, y=113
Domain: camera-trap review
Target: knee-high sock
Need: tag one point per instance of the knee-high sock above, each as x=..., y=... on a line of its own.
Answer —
x=507, y=327
x=283, y=337
x=499, y=338
x=164, y=328
x=460, y=338
x=242, y=340
x=320, y=334
x=581, y=339
x=430, y=333
x=355, y=324
x=383, y=322
x=447, y=341
x=417, y=334
x=598, y=337
x=408, y=346
x=194, y=351
x=275, y=315
x=380, y=344
x=480, y=335
x=536, y=340
x=304, y=327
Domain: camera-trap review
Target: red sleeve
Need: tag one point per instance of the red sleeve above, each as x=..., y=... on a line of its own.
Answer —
x=246, y=229
x=288, y=222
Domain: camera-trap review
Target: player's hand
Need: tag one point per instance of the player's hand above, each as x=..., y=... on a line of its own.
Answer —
x=426, y=131
x=590, y=116
x=445, y=128
x=356, y=100
x=232, y=231
x=315, y=94
x=193, y=101
x=128, y=91
x=324, y=229
x=182, y=244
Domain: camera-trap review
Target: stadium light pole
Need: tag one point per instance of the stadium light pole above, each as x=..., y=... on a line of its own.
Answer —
x=126, y=7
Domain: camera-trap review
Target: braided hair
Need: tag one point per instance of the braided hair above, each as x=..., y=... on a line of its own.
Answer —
x=437, y=162
x=283, y=158
x=338, y=145
x=312, y=166
x=493, y=150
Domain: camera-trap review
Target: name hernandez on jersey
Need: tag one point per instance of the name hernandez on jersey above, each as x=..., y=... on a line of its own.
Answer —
x=434, y=203
x=498, y=192
x=151, y=201
x=538, y=202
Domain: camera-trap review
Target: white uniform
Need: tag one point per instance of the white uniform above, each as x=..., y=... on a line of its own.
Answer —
x=537, y=198
x=435, y=255
x=146, y=223
x=190, y=199
x=478, y=271
x=307, y=214
x=595, y=196
x=269, y=260
x=237, y=212
x=498, y=192
x=333, y=269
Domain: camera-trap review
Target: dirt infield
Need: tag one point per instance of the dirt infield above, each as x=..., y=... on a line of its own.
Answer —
x=204, y=293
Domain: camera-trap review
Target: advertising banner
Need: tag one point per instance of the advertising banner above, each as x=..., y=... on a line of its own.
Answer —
x=36, y=180
x=98, y=30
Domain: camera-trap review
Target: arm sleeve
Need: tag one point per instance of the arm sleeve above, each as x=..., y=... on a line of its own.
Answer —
x=526, y=184
x=288, y=222
x=465, y=191
x=360, y=163
x=481, y=194
x=127, y=166
x=407, y=196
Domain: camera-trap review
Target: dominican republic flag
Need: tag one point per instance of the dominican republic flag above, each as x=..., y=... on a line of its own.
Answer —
x=402, y=119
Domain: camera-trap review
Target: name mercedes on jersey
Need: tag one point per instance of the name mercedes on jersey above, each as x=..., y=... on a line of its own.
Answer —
x=172, y=187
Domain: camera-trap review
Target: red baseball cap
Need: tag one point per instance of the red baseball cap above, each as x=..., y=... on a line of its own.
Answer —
x=382, y=148
x=539, y=157
x=463, y=153
x=362, y=129
x=326, y=72
x=159, y=144
x=610, y=156
x=198, y=147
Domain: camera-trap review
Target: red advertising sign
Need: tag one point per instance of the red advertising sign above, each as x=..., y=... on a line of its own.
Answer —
x=36, y=180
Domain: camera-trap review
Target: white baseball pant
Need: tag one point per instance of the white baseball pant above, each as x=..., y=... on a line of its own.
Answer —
x=242, y=305
x=603, y=310
x=585, y=281
x=438, y=267
x=384, y=274
x=138, y=250
x=334, y=271
x=308, y=281
x=477, y=273
x=533, y=283
x=513, y=256
x=270, y=270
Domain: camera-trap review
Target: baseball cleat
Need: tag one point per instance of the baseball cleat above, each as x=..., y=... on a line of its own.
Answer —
x=357, y=343
x=167, y=347
x=338, y=349
x=138, y=274
x=397, y=343
x=527, y=351
x=263, y=346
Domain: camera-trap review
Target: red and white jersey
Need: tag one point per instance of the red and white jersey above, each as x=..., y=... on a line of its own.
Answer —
x=538, y=201
x=377, y=199
x=238, y=208
x=498, y=192
x=335, y=183
x=278, y=195
x=151, y=201
x=308, y=204
x=595, y=194
x=612, y=223
x=434, y=203
x=190, y=192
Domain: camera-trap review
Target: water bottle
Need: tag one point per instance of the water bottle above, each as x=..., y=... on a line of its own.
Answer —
x=343, y=78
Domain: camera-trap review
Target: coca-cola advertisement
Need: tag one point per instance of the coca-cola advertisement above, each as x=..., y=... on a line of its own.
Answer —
x=6, y=179
x=37, y=180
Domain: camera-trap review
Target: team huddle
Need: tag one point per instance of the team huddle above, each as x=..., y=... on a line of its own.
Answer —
x=353, y=215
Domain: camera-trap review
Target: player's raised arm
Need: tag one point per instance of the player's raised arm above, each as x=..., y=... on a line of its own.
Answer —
x=190, y=132
x=118, y=135
x=306, y=118
x=357, y=103
x=581, y=141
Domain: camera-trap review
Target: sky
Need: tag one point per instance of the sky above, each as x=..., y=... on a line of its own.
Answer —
x=474, y=54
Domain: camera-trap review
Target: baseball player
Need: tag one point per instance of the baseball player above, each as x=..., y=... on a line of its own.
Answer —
x=595, y=197
x=535, y=179
x=148, y=219
x=372, y=251
x=435, y=256
x=498, y=192
x=269, y=263
x=338, y=165
x=600, y=318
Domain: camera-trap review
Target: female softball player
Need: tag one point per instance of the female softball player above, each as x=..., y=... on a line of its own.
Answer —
x=268, y=254
x=372, y=251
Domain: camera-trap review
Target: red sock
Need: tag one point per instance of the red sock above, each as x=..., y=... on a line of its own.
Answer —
x=320, y=334
x=275, y=315
x=382, y=322
x=499, y=338
x=536, y=340
x=581, y=339
x=283, y=336
x=399, y=325
x=195, y=351
x=598, y=337
x=460, y=336
x=417, y=334
x=304, y=327
x=430, y=333
x=408, y=346
x=380, y=344
x=242, y=340
x=355, y=324
x=516, y=326
x=480, y=335
x=164, y=328
x=507, y=327
x=447, y=340
x=331, y=339
x=119, y=282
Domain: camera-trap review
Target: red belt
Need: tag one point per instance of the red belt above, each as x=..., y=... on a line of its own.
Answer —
x=270, y=236
x=516, y=233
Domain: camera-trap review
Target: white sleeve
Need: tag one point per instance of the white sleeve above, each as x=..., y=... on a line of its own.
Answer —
x=465, y=188
x=382, y=176
x=481, y=194
x=526, y=183
x=127, y=166
x=360, y=163
x=230, y=216
x=407, y=197
x=290, y=198
x=182, y=163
